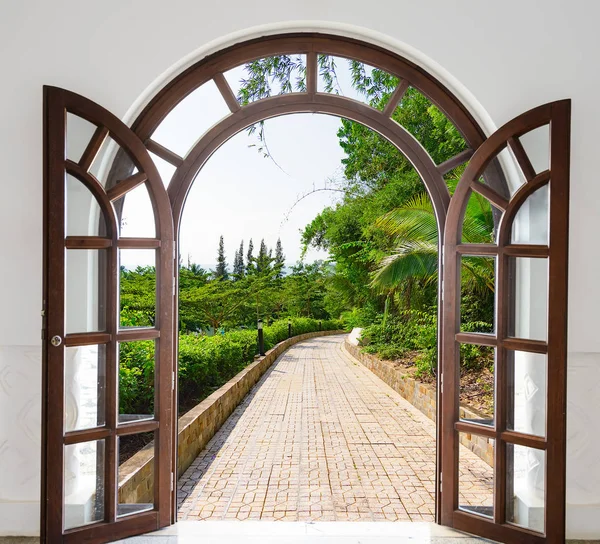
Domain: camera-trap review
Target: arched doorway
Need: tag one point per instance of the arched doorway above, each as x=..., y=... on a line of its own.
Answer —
x=494, y=183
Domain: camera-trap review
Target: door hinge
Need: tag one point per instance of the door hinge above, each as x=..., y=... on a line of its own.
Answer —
x=173, y=381
x=441, y=478
x=172, y=482
x=442, y=289
x=442, y=384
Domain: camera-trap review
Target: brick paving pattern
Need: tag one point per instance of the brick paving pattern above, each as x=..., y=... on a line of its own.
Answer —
x=321, y=438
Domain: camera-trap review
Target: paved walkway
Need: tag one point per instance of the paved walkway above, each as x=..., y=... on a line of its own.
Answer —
x=321, y=438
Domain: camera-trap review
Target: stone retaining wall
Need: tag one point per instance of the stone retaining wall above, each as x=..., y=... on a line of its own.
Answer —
x=423, y=397
x=198, y=426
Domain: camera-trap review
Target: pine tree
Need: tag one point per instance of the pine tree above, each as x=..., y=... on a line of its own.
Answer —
x=221, y=271
x=238, y=263
x=250, y=258
x=279, y=260
x=264, y=259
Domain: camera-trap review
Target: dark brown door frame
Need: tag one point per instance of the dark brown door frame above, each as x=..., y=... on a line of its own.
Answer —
x=311, y=44
x=557, y=116
x=57, y=103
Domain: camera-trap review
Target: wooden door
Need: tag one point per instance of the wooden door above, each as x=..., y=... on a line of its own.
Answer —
x=87, y=494
x=503, y=473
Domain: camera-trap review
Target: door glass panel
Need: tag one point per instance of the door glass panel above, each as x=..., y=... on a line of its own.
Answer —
x=481, y=220
x=165, y=169
x=85, y=383
x=83, y=214
x=79, y=134
x=136, y=381
x=477, y=303
x=537, y=146
x=531, y=223
x=528, y=298
x=110, y=154
x=83, y=483
x=477, y=384
x=136, y=473
x=525, y=486
x=85, y=290
x=502, y=173
x=136, y=214
x=476, y=474
x=137, y=287
x=191, y=118
x=526, y=379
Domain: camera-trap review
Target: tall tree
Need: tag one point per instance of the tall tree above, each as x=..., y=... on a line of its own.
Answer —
x=221, y=271
x=238, y=263
x=279, y=260
x=264, y=260
x=250, y=258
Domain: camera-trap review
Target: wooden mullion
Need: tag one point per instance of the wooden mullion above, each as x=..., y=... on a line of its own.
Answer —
x=86, y=338
x=474, y=428
x=312, y=72
x=94, y=145
x=139, y=243
x=87, y=242
x=500, y=389
x=137, y=427
x=522, y=439
x=101, y=532
x=478, y=338
x=87, y=435
x=130, y=335
x=524, y=344
x=475, y=250
x=495, y=198
x=164, y=153
x=453, y=162
x=521, y=155
x=396, y=97
x=126, y=185
x=523, y=250
x=226, y=92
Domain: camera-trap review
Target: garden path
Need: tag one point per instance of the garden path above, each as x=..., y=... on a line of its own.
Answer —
x=321, y=438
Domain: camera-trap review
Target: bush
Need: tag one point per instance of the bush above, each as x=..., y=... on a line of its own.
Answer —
x=205, y=362
x=417, y=331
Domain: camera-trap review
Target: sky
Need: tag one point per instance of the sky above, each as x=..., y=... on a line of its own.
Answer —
x=239, y=193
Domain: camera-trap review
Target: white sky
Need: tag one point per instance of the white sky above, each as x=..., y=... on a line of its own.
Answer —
x=240, y=194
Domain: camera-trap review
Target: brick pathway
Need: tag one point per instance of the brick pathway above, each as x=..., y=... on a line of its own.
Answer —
x=321, y=438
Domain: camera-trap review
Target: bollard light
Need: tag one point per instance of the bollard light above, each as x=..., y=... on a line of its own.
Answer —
x=261, y=338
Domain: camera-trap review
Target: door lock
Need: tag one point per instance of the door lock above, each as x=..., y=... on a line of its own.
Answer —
x=56, y=341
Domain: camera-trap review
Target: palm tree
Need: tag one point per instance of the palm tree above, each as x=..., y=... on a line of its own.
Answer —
x=413, y=229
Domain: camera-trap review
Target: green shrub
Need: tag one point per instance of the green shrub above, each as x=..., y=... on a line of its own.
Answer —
x=205, y=362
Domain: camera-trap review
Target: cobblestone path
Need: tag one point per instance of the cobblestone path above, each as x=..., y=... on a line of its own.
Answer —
x=321, y=438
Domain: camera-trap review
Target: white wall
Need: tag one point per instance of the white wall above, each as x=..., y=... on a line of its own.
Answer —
x=510, y=55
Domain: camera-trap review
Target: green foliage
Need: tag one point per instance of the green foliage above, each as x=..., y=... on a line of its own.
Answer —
x=205, y=362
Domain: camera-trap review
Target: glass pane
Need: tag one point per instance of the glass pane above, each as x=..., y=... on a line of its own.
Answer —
x=136, y=473
x=191, y=118
x=109, y=155
x=527, y=375
x=137, y=287
x=165, y=169
x=85, y=291
x=531, y=223
x=528, y=298
x=481, y=220
x=136, y=214
x=85, y=382
x=478, y=284
x=477, y=384
x=84, y=483
x=429, y=125
x=537, y=146
x=476, y=474
x=503, y=174
x=525, y=486
x=83, y=214
x=136, y=381
x=79, y=134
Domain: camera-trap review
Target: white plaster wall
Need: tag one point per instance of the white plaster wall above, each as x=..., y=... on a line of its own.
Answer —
x=510, y=55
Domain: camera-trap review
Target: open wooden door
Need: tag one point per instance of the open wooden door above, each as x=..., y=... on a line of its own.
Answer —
x=518, y=495
x=87, y=493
